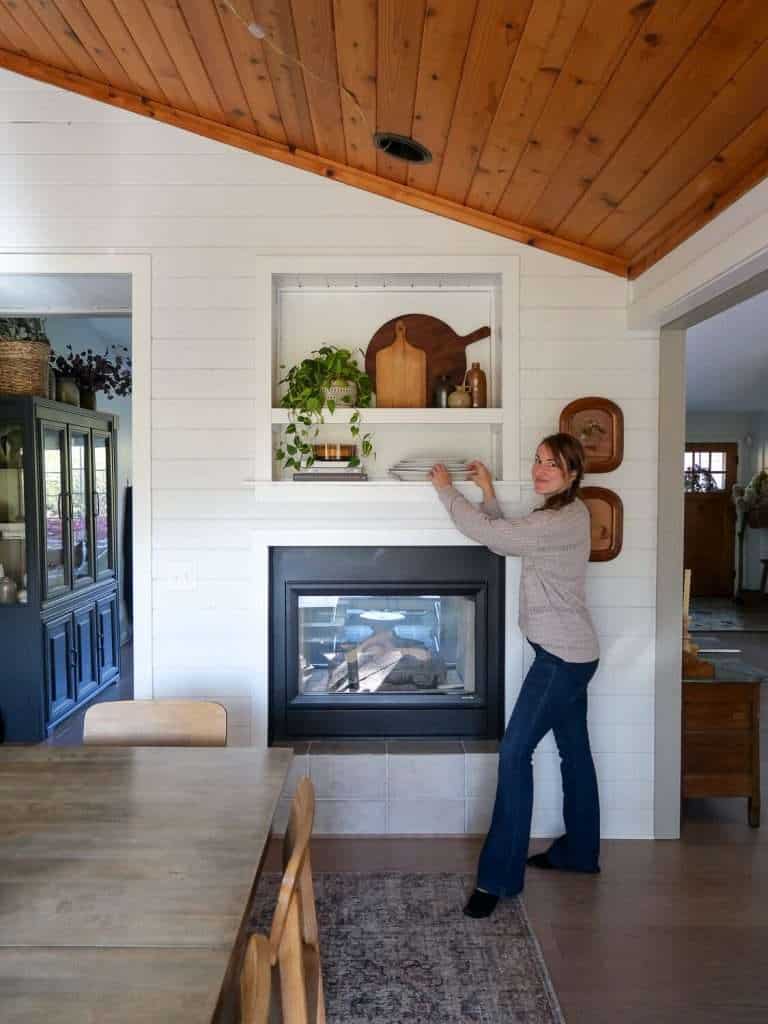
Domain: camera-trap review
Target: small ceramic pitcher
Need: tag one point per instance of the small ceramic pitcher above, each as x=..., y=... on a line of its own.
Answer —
x=460, y=398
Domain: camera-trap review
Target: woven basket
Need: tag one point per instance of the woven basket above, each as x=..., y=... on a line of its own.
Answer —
x=24, y=367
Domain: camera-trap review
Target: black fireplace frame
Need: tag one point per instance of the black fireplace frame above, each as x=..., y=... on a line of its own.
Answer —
x=468, y=571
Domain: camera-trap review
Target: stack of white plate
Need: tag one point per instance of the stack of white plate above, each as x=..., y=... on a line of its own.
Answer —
x=418, y=467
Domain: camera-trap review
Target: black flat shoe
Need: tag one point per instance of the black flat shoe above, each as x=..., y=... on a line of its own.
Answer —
x=541, y=860
x=481, y=904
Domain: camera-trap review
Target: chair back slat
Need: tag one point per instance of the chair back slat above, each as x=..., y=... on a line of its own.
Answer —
x=295, y=854
x=156, y=723
x=256, y=981
x=294, y=935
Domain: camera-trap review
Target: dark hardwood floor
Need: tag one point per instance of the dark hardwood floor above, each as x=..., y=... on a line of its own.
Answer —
x=669, y=932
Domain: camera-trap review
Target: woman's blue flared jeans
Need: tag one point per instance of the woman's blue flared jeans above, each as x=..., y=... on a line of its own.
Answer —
x=553, y=696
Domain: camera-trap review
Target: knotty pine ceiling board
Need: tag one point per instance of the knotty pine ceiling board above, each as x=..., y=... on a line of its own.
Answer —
x=356, y=52
x=725, y=44
x=606, y=131
x=400, y=27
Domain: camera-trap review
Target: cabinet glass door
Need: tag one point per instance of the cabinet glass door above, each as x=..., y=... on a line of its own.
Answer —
x=102, y=507
x=56, y=574
x=13, y=531
x=80, y=506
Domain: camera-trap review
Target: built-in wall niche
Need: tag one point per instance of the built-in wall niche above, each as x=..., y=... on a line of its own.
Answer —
x=311, y=310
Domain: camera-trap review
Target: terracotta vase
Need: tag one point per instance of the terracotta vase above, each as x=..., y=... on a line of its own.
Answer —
x=476, y=381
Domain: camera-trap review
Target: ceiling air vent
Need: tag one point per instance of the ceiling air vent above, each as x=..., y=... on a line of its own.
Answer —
x=402, y=148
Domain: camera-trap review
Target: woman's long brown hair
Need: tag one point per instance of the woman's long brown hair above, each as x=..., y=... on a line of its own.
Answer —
x=568, y=451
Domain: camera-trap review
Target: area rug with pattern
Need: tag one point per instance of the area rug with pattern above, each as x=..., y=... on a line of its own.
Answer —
x=396, y=949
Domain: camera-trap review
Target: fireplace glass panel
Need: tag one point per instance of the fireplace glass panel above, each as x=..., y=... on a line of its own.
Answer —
x=414, y=643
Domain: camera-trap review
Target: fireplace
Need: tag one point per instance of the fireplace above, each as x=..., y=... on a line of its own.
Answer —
x=386, y=642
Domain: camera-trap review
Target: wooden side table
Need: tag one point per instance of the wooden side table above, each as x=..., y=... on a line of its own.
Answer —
x=721, y=739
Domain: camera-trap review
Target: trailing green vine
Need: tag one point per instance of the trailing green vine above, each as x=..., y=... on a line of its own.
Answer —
x=306, y=399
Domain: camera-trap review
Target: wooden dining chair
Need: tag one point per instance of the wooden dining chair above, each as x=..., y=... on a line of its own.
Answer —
x=293, y=939
x=156, y=723
x=256, y=981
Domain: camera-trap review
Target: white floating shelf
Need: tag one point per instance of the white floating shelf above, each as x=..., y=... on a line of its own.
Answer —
x=381, y=416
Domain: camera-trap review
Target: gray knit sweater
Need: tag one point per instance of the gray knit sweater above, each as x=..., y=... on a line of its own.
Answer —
x=554, y=548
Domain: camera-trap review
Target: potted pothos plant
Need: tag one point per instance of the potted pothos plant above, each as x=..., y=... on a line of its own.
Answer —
x=328, y=378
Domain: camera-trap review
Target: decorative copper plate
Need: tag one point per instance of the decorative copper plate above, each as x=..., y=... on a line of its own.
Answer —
x=599, y=425
x=607, y=513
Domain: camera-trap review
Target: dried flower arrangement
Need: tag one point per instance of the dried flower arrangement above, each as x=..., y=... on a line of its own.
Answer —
x=96, y=372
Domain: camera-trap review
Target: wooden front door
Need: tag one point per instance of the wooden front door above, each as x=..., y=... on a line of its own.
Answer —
x=710, y=473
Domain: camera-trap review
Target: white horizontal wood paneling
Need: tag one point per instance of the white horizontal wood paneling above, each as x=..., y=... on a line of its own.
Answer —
x=575, y=322
x=197, y=443
x=217, y=596
x=133, y=135
x=565, y=383
x=178, y=200
x=575, y=355
x=217, y=414
x=632, y=562
x=539, y=412
x=558, y=292
x=203, y=355
x=201, y=504
x=273, y=232
x=182, y=323
x=77, y=176
x=204, y=384
x=218, y=169
x=202, y=474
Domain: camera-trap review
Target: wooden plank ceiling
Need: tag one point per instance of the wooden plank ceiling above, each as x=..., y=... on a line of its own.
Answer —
x=607, y=131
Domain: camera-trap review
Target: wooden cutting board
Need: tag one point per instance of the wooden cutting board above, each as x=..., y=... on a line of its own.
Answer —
x=445, y=349
x=401, y=373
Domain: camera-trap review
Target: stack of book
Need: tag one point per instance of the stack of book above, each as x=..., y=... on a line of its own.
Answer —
x=331, y=469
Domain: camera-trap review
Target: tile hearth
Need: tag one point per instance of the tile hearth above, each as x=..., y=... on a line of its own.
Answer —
x=396, y=787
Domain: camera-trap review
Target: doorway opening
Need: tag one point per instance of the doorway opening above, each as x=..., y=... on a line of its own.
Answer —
x=88, y=523
x=723, y=461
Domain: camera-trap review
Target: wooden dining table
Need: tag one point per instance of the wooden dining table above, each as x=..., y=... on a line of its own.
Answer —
x=126, y=874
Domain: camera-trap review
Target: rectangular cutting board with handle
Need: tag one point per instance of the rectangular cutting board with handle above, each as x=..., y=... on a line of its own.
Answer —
x=401, y=374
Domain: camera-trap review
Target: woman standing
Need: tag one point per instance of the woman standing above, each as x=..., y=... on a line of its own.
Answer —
x=554, y=544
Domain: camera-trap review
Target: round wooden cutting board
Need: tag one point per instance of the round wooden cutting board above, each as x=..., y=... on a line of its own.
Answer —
x=444, y=348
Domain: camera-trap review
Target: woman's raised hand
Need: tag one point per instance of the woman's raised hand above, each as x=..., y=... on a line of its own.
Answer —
x=479, y=474
x=440, y=476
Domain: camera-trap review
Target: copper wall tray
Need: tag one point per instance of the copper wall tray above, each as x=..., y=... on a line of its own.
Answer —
x=606, y=511
x=599, y=425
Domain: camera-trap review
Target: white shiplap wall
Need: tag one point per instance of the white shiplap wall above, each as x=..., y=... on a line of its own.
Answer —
x=78, y=176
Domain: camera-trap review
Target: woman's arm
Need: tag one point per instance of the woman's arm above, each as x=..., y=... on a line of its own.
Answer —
x=480, y=475
x=491, y=507
x=502, y=536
